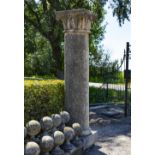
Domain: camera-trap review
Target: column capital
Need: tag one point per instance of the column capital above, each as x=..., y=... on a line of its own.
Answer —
x=76, y=20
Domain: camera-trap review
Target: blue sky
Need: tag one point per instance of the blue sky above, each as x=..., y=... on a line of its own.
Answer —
x=116, y=36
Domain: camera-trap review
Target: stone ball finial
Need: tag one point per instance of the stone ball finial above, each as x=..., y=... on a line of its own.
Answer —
x=65, y=116
x=77, y=129
x=59, y=138
x=33, y=127
x=25, y=132
x=32, y=148
x=56, y=120
x=69, y=133
x=47, y=143
x=78, y=132
x=46, y=123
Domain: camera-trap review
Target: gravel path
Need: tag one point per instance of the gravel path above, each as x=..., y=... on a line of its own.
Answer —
x=114, y=133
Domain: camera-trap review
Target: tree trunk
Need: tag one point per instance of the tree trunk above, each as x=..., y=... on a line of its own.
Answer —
x=56, y=52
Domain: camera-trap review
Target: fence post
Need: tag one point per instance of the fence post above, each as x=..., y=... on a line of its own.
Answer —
x=126, y=79
x=107, y=92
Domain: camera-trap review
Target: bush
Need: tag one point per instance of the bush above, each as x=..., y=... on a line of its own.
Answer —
x=42, y=97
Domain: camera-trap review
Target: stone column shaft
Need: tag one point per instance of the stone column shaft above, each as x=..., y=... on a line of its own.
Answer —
x=76, y=54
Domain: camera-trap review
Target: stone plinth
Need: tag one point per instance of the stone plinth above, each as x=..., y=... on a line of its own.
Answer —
x=77, y=24
x=89, y=140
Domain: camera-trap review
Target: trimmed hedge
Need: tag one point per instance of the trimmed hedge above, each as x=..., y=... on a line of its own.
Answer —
x=42, y=98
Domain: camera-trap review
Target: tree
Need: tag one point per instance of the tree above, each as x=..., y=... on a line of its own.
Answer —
x=41, y=16
x=37, y=56
x=121, y=9
x=104, y=69
x=43, y=21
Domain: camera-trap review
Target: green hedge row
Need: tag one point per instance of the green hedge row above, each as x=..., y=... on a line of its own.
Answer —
x=42, y=98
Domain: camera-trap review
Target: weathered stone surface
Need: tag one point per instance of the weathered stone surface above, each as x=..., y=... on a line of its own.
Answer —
x=65, y=116
x=47, y=143
x=78, y=131
x=32, y=148
x=58, y=138
x=69, y=134
x=56, y=120
x=77, y=24
x=89, y=140
x=33, y=127
x=76, y=79
x=46, y=123
x=76, y=20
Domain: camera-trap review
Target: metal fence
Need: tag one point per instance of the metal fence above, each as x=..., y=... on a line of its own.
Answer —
x=111, y=92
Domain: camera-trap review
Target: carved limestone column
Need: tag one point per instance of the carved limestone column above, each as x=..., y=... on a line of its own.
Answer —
x=77, y=24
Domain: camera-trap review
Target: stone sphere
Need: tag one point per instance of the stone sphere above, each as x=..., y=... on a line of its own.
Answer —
x=32, y=148
x=33, y=127
x=25, y=132
x=77, y=129
x=59, y=138
x=56, y=120
x=65, y=116
x=69, y=133
x=46, y=123
x=47, y=143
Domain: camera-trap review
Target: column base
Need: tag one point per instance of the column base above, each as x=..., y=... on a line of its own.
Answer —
x=86, y=132
x=89, y=140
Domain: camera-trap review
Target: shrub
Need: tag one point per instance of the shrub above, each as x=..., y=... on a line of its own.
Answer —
x=42, y=97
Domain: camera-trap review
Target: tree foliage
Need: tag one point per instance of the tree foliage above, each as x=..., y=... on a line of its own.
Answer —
x=121, y=9
x=44, y=35
x=105, y=70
